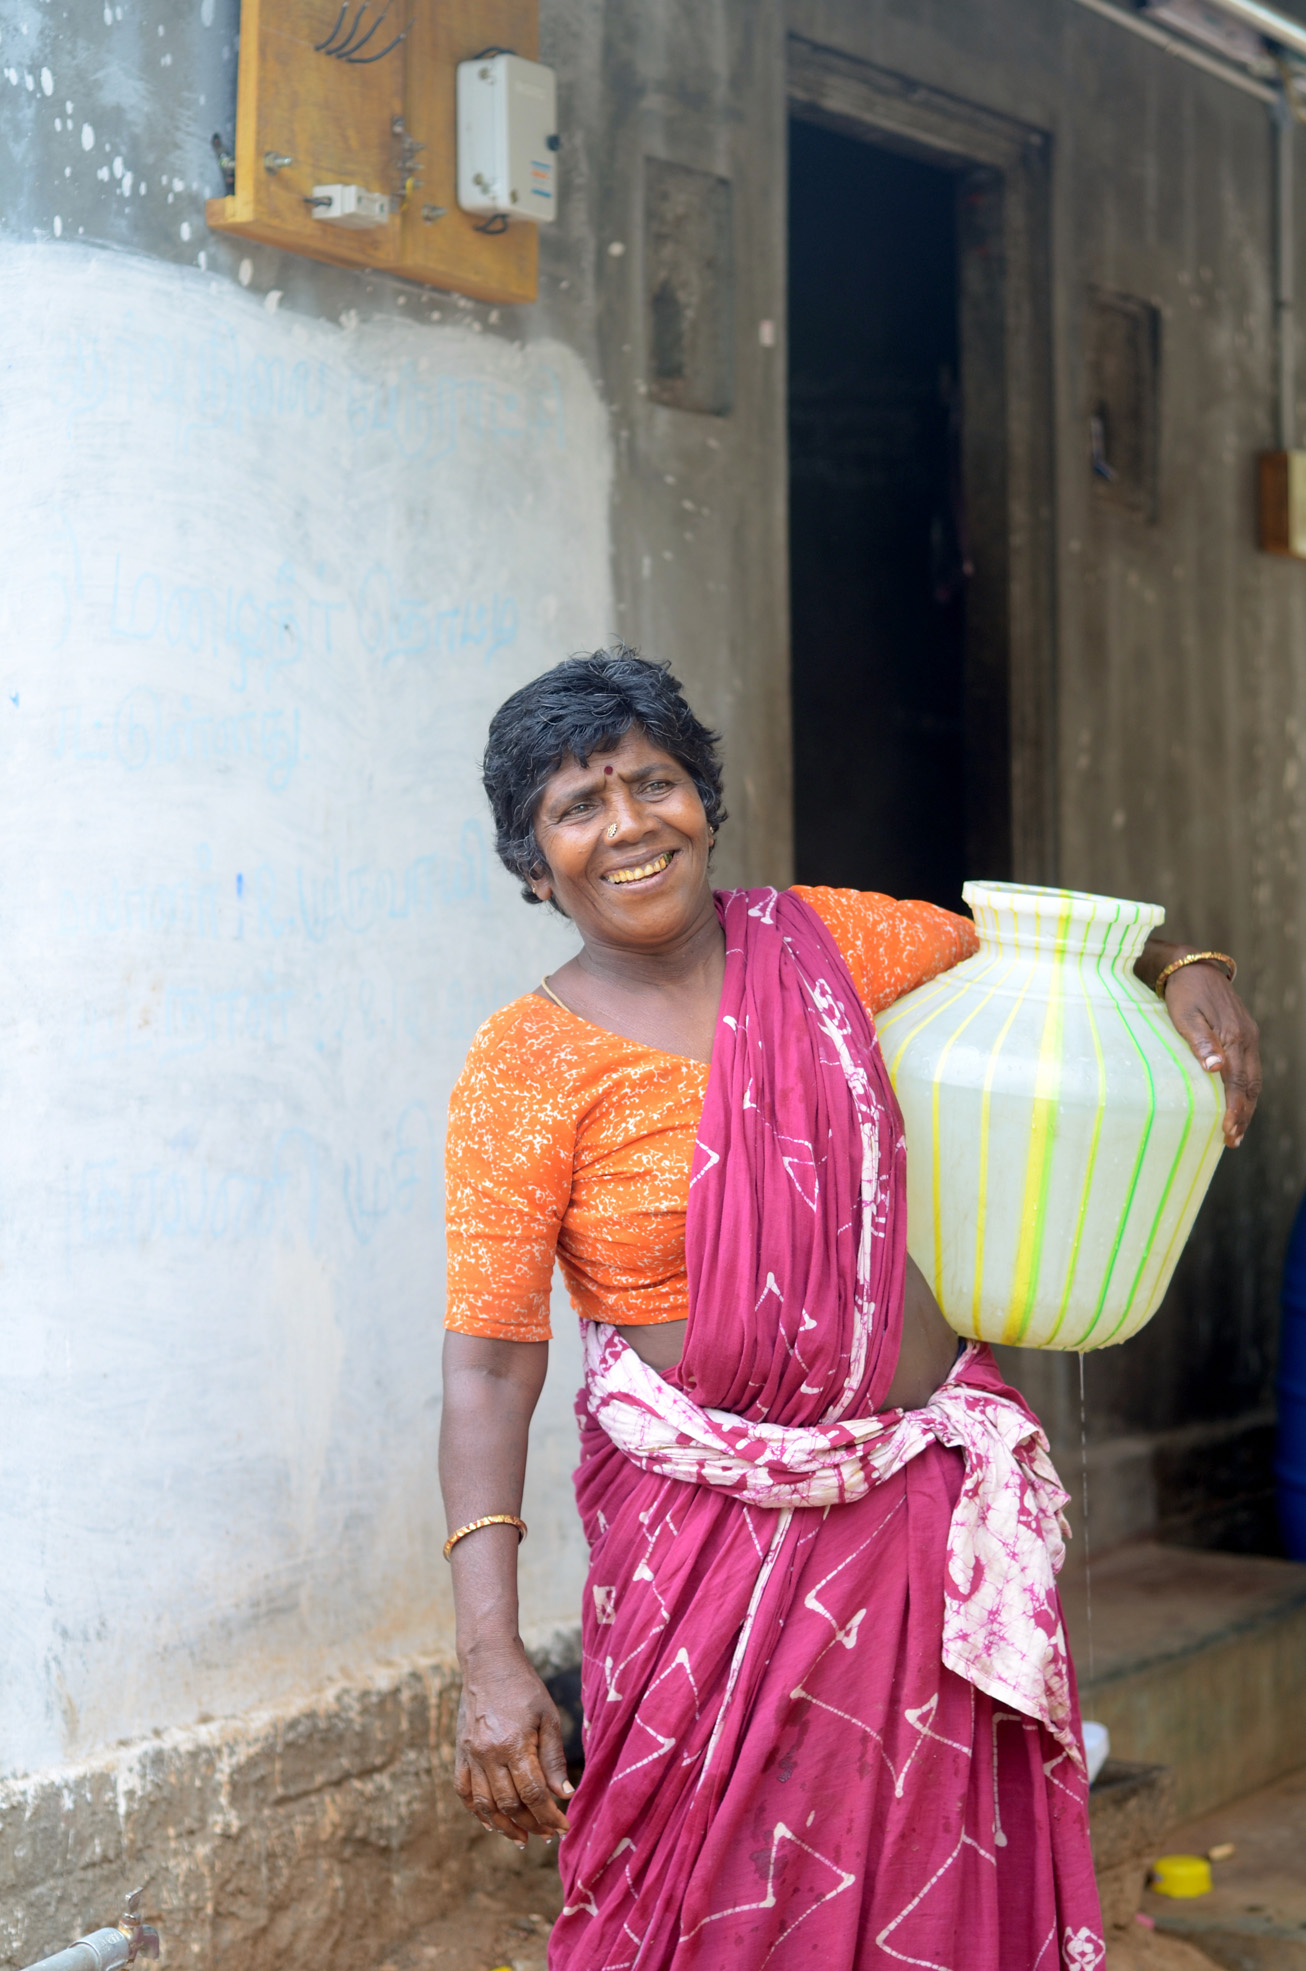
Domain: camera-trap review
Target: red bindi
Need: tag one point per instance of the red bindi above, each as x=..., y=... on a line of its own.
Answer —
x=607, y=769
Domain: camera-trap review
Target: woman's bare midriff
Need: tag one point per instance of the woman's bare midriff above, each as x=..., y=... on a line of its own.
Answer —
x=929, y=1347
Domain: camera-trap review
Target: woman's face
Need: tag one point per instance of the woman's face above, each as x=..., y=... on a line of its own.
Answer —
x=625, y=840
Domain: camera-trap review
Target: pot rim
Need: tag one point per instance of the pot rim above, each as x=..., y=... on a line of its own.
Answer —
x=1085, y=905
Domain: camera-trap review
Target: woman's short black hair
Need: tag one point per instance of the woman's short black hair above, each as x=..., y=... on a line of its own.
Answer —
x=582, y=706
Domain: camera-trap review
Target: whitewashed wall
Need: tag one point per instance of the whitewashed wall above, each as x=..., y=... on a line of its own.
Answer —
x=262, y=581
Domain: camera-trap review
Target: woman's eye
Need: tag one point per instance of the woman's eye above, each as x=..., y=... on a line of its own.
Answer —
x=656, y=786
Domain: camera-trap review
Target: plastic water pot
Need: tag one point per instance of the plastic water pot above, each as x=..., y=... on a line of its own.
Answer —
x=1060, y=1134
x=1290, y=1459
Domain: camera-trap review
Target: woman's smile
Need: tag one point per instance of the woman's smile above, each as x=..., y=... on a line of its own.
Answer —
x=643, y=872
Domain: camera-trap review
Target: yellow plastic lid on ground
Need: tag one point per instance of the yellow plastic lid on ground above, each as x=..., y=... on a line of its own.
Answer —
x=1181, y=1875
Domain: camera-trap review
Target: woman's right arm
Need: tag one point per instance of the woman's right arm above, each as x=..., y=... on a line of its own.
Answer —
x=510, y=1763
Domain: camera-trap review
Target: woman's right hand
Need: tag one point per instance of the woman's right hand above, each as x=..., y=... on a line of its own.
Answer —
x=510, y=1763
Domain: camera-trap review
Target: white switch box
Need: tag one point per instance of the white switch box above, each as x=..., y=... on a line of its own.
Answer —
x=508, y=138
x=350, y=205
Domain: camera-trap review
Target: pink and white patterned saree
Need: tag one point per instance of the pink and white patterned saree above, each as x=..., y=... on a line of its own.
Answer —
x=830, y=1715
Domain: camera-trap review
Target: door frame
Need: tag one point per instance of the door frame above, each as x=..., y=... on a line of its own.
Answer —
x=1008, y=457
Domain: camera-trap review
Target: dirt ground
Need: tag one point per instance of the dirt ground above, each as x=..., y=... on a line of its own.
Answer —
x=501, y=1929
x=1254, y=1919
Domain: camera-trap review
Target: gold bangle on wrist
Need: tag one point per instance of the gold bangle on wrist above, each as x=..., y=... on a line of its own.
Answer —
x=491, y=1519
x=1196, y=958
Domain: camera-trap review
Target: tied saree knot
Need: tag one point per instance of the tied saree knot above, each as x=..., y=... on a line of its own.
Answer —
x=1002, y=1627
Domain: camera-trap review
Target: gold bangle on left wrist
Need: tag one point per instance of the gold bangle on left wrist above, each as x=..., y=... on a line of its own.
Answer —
x=1222, y=958
x=490, y=1519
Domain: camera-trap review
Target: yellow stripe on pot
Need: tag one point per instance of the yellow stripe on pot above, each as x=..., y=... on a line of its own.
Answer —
x=986, y=1106
x=1094, y=1141
x=935, y=1173
x=1114, y=987
x=1170, y=1255
x=1043, y=1134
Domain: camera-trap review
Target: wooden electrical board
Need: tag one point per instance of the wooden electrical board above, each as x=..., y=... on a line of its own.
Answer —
x=1283, y=503
x=364, y=95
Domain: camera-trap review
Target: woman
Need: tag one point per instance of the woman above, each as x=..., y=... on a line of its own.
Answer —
x=830, y=1718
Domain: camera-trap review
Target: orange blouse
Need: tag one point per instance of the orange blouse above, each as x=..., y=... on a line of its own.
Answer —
x=569, y=1142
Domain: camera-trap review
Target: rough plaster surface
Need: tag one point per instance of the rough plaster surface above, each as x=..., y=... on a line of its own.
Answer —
x=310, y=1835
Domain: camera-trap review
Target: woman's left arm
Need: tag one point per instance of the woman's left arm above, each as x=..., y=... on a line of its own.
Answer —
x=1217, y=1026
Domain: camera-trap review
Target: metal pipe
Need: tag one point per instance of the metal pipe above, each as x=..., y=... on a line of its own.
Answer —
x=103, y=1950
x=1284, y=282
x=1184, y=51
x=1267, y=21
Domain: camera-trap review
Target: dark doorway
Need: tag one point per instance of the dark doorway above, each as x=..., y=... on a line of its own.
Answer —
x=877, y=544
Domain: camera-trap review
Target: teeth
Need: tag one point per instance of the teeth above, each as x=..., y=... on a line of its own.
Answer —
x=648, y=869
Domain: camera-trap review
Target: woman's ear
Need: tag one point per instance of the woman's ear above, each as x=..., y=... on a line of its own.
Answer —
x=541, y=883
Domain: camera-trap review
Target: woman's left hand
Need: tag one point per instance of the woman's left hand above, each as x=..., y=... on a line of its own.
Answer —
x=1222, y=1033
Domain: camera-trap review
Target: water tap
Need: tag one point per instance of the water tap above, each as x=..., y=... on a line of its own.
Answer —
x=142, y=1938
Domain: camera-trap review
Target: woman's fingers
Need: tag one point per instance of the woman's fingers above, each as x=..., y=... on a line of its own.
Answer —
x=553, y=1757
x=511, y=1793
x=535, y=1791
x=505, y=1785
x=493, y=1796
x=1242, y=1086
x=1208, y=1013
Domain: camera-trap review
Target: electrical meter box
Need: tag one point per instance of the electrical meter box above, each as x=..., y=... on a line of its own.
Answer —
x=507, y=138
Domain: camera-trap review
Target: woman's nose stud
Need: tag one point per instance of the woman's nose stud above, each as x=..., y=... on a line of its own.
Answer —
x=612, y=829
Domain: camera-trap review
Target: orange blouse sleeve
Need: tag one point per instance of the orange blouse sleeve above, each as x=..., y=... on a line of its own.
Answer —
x=508, y=1168
x=890, y=947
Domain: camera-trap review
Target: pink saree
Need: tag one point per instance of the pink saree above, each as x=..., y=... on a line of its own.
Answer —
x=830, y=1715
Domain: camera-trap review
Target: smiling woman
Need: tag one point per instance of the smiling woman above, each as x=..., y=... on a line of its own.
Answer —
x=782, y=1448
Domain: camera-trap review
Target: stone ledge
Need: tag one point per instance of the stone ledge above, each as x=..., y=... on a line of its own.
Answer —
x=1128, y=1808
x=313, y=1834
x=1200, y=1664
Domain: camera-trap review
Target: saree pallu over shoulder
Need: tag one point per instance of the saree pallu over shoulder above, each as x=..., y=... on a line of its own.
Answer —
x=796, y=1236
x=830, y=1718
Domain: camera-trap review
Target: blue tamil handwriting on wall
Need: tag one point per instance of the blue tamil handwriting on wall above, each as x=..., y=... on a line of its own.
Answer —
x=397, y=1184
x=394, y=625
x=279, y=1197
x=187, y=1019
x=266, y=632
x=203, y=381
x=362, y=900
x=208, y=383
x=115, y=1202
x=182, y=909
x=431, y=419
x=148, y=1027
x=153, y=730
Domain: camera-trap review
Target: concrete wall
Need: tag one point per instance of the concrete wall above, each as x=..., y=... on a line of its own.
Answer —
x=1178, y=734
